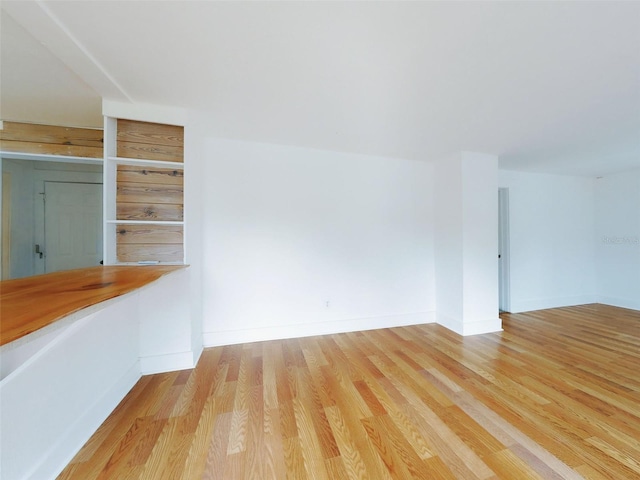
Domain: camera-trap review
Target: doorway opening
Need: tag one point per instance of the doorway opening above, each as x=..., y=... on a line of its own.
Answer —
x=27, y=230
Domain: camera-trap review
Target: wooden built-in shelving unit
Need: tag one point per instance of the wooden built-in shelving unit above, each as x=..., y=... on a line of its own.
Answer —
x=143, y=181
x=144, y=192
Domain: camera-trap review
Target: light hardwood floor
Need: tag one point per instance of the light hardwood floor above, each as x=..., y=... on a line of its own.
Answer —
x=556, y=395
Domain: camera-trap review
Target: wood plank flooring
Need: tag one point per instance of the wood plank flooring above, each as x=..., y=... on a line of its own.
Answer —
x=556, y=395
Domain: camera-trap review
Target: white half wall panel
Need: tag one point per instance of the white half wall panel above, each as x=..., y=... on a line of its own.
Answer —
x=53, y=402
x=166, y=325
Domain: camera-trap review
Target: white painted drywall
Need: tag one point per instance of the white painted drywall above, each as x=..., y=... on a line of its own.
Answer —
x=480, y=243
x=618, y=239
x=55, y=400
x=194, y=186
x=165, y=325
x=466, y=242
x=299, y=241
x=448, y=239
x=552, y=228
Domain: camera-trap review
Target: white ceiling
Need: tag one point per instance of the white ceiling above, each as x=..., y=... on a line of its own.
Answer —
x=35, y=86
x=548, y=86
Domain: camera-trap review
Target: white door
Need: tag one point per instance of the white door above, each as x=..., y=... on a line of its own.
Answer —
x=72, y=225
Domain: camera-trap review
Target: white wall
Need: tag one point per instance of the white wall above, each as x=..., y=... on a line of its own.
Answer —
x=194, y=186
x=466, y=243
x=166, y=325
x=448, y=240
x=480, y=242
x=552, y=231
x=300, y=242
x=618, y=239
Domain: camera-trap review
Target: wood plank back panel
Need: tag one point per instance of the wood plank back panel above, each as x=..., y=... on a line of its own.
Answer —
x=150, y=152
x=150, y=133
x=162, y=243
x=51, y=140
x=150, y=141
x=154, y=194
x=555, y=395
x=141, y=252
x=162, y=176
x=149, y=193
x=36, y=133
x=148, y=211
x=148, y=234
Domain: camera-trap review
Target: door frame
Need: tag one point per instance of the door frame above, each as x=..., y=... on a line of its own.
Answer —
x=39, y=218
x=5, y=201
x=504, y=255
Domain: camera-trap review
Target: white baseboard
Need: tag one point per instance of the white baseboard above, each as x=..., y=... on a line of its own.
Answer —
x=196, y=355
x=470, y=328
x=71, y=441
x=168, y=362
x=483, y=326
x=518, y=306
x=231, y=337
x=620, y=302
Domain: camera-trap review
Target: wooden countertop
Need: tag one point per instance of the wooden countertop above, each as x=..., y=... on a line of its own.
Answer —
x=29, y=304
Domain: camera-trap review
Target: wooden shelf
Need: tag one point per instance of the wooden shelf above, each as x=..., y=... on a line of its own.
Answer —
x=46, y=157
x=143, y=162
x=144, y=222
x=143, y=264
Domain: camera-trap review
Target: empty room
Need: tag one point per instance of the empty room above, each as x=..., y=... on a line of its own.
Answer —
x=319, y=240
